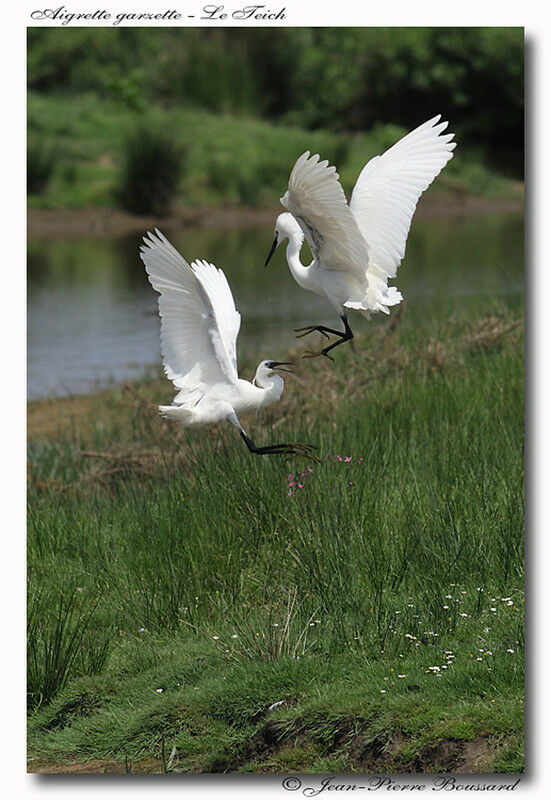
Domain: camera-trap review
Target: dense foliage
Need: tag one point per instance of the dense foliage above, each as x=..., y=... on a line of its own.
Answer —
x=340, y=78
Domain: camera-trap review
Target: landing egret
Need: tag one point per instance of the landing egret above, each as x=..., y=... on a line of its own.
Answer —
x=199, y=327
x=356, y=248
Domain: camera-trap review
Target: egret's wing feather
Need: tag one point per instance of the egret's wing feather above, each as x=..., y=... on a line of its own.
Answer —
x=317, y=201
x=227, y=319
x=199, y=322
x=389, y=186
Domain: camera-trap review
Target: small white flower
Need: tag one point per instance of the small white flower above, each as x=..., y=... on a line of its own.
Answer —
x=509, y=650
x=493, y=609
x=215, y=637
x=479, y=658
x=445, y=607
x=463, y=614
x=159, y=691
x=383, y=691
x=401, y=676
x=234, y=636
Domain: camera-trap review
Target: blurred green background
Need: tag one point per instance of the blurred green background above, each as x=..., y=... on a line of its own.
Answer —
x=227, y=111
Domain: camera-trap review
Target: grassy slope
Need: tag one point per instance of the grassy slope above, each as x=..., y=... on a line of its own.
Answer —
x=192, y=571
x=231, y=160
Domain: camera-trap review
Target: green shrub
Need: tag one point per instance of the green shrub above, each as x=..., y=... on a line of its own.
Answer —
x=153, y=164
x=41, y=161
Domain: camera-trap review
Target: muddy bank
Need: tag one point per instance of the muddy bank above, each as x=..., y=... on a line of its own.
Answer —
x=54, y=223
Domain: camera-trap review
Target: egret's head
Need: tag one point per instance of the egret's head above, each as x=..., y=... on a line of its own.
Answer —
x=285, y=228
x=268, y=370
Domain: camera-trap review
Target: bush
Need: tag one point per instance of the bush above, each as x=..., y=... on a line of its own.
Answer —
x=153, y=164
x=41, y=161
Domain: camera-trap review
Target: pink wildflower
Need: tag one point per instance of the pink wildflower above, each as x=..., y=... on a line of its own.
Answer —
x=301, y=486
x=290, y=477
x=348, y=459
x=338, y=458
x=289, y=493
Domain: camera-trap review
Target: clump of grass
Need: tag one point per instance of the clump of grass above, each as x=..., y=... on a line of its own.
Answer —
x=278, y=633
x=41, y=162
x=152, y=167
x=61, y=641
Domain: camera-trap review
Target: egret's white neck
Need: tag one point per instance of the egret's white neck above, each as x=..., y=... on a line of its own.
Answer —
x=294, y=245
x=272, y=386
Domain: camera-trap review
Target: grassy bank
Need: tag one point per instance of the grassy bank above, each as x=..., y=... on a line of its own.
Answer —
x=179, y=588
x=80, y=142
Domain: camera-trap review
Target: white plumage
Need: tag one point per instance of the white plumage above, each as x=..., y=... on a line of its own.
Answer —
x=199, y=328
x=357, y=247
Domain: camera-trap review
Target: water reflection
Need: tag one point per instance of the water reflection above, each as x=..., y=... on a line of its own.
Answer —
x=92, y=313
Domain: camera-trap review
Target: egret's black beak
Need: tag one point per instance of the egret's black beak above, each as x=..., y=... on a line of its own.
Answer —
x=272, y=251
x=280, y=366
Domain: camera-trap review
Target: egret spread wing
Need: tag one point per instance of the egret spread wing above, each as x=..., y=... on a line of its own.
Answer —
x=316, y=199
x=389, y=186
x=199, y=322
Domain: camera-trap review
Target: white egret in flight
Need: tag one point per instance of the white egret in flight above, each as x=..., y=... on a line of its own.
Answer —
x=199, y=327
x=356, y=248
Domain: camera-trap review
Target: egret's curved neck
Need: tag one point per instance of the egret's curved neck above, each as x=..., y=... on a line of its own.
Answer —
x=272, y=388
x=298, y=269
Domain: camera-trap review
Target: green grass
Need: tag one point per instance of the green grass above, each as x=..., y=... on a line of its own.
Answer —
x=231, y=159
x=195, y=572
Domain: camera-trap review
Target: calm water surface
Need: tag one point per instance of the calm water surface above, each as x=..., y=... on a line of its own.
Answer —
x=92, y=314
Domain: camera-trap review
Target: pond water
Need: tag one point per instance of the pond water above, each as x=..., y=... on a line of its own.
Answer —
x=92, y=316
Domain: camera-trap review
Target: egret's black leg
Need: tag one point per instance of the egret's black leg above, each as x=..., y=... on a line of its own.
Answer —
x=345, y=336
x=285, y=448
x=320, y=328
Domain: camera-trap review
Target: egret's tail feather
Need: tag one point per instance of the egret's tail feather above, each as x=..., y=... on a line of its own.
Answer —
x=375, y=300
x=180, y=413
